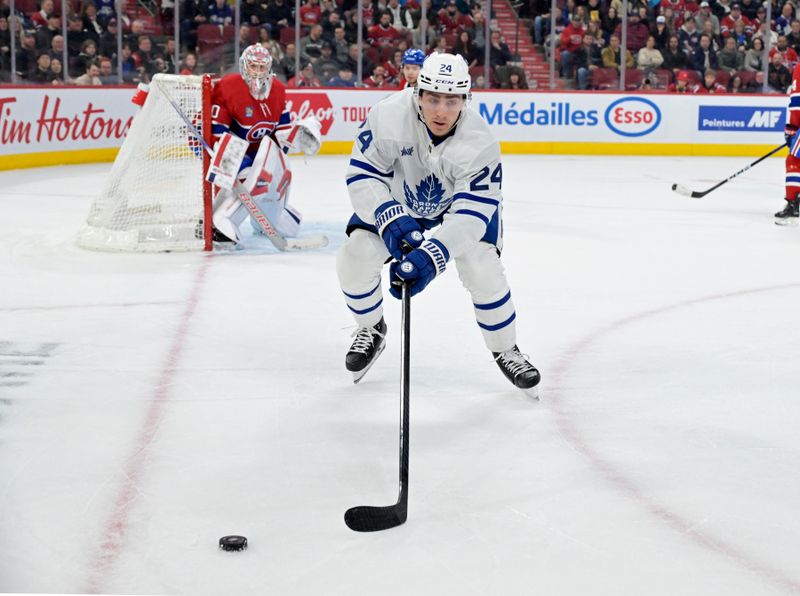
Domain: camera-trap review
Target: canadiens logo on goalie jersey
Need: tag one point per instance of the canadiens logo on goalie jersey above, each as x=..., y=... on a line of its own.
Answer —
x=259, y=131
x=427, y=200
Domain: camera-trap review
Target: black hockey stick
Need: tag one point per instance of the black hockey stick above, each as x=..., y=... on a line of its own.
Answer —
x=681, y=189
x=366, y=518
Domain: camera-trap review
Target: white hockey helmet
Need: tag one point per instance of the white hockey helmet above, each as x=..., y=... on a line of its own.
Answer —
x=255, y=66
x=445, y=73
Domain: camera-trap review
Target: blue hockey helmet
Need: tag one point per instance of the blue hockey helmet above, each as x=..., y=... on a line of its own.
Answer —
x=413, y=56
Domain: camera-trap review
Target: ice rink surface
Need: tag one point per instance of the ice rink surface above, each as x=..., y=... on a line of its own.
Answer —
x=150, y=404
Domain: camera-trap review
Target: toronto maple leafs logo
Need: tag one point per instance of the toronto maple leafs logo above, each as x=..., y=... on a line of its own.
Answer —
x=428, y=197
x=406, y=151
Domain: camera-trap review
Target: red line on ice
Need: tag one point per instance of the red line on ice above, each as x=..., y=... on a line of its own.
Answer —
x=617, y=477
x=115, y=530
x=74, y=306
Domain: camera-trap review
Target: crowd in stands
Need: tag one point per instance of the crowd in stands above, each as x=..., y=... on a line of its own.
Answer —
x=708, y=46
x=688, y=47
x=328, y=48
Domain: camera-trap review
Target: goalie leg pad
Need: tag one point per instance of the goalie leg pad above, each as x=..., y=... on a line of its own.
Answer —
x=269, y=177
x=269, y=181
x=229, y=213
x=286, y=221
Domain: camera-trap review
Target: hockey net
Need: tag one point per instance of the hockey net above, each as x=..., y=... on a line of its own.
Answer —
x=156, y=198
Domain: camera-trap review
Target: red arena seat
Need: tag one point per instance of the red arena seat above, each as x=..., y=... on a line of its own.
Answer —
x=605, y=78
x=287, y=35
x=723, y=77
x=747, y=76
x=633, y=78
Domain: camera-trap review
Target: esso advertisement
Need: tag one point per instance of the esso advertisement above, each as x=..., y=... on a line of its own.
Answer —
x=570, y=116
x=303, y=104
x=633, y=116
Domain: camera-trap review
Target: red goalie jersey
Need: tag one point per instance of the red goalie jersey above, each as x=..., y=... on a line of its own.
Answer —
x=236, y=111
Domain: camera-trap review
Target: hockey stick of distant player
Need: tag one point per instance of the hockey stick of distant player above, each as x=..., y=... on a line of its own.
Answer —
x=258, y=216
x=366, y=518
x=681, y=189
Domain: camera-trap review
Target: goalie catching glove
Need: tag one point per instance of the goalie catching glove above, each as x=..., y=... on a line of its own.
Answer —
x=302, y=136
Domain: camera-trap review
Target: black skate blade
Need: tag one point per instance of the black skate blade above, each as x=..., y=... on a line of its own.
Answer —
x=358, y=375
x=374, y=519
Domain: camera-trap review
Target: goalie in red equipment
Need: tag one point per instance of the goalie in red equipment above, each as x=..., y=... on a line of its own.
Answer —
x=252, y=132
x=790, y=212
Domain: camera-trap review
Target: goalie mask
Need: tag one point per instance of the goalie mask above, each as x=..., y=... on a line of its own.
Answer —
x=255, y=66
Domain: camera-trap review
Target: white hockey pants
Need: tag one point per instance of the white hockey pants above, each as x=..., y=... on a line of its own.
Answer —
x=361, y=258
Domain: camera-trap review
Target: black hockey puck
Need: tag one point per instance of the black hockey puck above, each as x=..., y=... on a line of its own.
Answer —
x=233, y=543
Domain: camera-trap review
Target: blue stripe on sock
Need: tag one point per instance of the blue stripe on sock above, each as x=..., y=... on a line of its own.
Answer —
x=505, y=323
x=366, y=310
x=496, y=304
x=360, y=296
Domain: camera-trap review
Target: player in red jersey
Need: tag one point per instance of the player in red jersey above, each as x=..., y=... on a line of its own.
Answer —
x=790, y=212
x=252, y=104
x=252, y=132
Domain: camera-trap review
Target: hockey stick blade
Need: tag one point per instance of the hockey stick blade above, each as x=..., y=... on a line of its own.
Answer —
x=682, y=190
x=374, y=519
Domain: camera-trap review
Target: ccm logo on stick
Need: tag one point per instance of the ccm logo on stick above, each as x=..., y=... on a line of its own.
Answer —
x=633, y=116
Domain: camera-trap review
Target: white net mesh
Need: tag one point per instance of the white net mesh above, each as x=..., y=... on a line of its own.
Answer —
x=153, y=198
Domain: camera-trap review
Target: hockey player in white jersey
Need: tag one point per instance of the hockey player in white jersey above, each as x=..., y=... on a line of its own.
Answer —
x=425, y=175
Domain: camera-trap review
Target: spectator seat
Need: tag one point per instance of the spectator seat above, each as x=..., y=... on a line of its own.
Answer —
x=605, y=78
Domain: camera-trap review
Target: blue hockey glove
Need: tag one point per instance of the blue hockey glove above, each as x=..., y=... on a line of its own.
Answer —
x=419, y=267
x=789, y=133
x=396, y=228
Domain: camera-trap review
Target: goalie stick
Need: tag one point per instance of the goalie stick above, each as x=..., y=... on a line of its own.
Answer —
x=367, y=518
x=264, y=224
x=681, y=189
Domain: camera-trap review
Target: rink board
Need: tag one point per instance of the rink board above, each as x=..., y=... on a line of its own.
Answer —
x=49, y=126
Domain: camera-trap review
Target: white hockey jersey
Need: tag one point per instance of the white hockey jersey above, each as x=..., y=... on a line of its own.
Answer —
x=456, y=183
